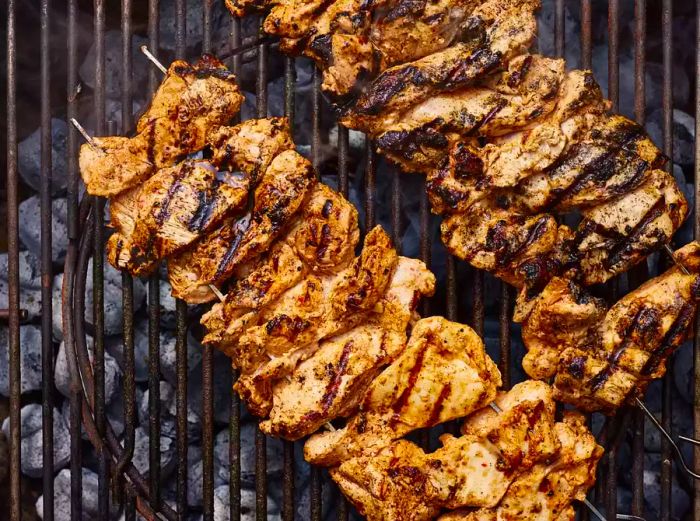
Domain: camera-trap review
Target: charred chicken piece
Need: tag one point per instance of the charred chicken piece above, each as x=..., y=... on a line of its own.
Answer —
x=512, y=100
x=443, y=374
x=190, y=102
x=169, y=212
x=475, y=469
x=493, y=237
x=280, y=194
x=563, y=315
x=332, y=382
x=249, y=148
x=611, y=159
x=637, y=336
x=545, y=492
x=317, y=307
x=507, y=29
x=616, y=235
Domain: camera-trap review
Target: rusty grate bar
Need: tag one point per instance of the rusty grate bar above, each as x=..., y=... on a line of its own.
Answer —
x=696, y=234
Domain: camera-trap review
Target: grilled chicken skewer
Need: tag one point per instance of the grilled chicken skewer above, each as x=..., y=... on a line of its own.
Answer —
x=190, y=102
x=499, y=456
x=443, y=374
x=602, y=358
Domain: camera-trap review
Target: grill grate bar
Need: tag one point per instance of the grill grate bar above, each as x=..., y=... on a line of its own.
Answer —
x=696, y=234
x=46, y=269
x=288, y=446
x=13, y=263
x=260, y=438
x=235, y=415
x=207, y=357
x=639, y=273
x=316, y=507
x=667, y=116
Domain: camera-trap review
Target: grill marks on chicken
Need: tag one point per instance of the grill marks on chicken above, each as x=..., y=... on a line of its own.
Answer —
x=601, y=359
x=169, y=212
x=512, y=100
x=245, y=150
x=331, y=383
x=191, y=101
x=502, y=31
x=545, y=492
x=498, y=457
x=443, y=374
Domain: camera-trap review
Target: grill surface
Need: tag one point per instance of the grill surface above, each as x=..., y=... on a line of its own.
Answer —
x=118, y=479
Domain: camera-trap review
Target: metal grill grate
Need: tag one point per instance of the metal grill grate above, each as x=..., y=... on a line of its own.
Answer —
x=119, y=481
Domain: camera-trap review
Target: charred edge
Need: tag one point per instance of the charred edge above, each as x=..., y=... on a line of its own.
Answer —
x=402, y=400
x=602, y=167
x=517, y=76
x=240, y=232
x=405, y=8
x=624, y=248
x=500, y=104
x=164, y=212
x=322, y=48
x=406, y=143
x=286, y=326
x=535, y=232
x=206, y=67
x=673, y=338
x=337, y=378
x=437, y=408
x=643, y=320
x=324, y=242
x=327, y=207
x=207, y=200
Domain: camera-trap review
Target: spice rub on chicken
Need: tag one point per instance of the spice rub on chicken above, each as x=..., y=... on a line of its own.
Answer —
x=192, y=100
x=443, y=374
x=602, y=358
x=483, y=471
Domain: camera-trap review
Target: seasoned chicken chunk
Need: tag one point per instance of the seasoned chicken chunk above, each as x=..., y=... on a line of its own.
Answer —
x=332, y=382
x=281, y=193
x=513, y=100
x=190, y=102
x=508, y=28
x=249, y=148
x=637, y=336
x=316, y=307
x=545, y=492
x=443, y=374
x=170, y=211
x=563, y=315
x=474, y=470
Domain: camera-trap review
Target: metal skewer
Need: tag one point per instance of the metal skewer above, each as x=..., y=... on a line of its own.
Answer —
x=672, y=254
x=670, y=439
x=153, y=59
x=85, y=134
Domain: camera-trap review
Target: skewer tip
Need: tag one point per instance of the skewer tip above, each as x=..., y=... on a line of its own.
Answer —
x=83, y=132
x=672, y=254
x=153, y=59
x=217, y=292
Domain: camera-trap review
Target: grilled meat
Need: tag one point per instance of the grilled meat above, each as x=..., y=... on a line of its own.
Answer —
x=563, y=315
x=491, y=236
x=280, y=194
x=249, y=148
x=546, y=491
x=616, y=235
x=512, y=100
x=499, y=453
x=470, y=172
x=190, y=102
x=316, y=307
x=331, y=383
x=169, y=212
x=508, y=28
x=600, y=361
x=443, y=374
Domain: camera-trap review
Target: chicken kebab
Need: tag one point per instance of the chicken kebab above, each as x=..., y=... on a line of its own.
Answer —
x=602, y=358
x=517, y=460
x=509, y=141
